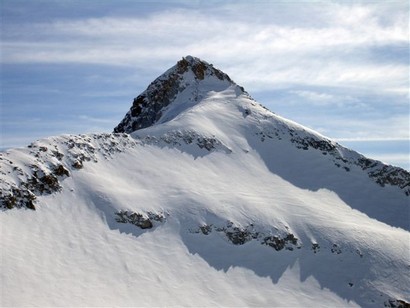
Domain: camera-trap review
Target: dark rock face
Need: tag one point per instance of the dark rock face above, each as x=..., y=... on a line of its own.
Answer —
x=136, y=219
x=39, y=183
x=142, y=221
x=179, y=138
x=377, y=171
x=49, y=167
x=396, y=303
x=238, y=235
x=19, y=198
x=77, y=164
x=147, y=108
x=61, y=171
x=279, y=243
x=392, y=176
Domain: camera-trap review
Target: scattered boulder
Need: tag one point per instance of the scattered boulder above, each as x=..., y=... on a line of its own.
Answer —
x=336, y=249
x=78, y=164
x=315, y=247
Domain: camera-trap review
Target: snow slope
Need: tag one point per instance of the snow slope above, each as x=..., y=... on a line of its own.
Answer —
x=202, y=197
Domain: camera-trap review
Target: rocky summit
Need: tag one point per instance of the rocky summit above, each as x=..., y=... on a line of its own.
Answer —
x=189, y=74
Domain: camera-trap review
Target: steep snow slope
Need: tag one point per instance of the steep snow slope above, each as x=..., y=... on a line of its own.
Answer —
x=212, y=200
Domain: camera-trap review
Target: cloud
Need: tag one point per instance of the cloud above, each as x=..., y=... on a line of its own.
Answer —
x=392, y=150
x=326, y=99
x=392, y=127
x=314, y=96
x=262, y=53
x=371, y=139
x=402, y=160
x=86, y=118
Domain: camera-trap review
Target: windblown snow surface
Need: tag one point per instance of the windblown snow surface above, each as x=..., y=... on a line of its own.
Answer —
x=219, y=202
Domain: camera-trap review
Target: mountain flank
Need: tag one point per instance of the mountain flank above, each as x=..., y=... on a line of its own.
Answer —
x=201, y=196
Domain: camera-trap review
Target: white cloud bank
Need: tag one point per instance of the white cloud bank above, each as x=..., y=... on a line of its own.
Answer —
x=324, y=44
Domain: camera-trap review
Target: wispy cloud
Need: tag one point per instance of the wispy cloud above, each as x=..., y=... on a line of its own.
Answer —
x=372, y=139
x=392, y=151
x=89, y=119
x=394, y=159
x=393, y=127
x=262, y=53
x=326, y=99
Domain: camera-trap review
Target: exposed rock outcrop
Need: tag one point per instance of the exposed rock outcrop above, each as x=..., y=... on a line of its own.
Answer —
x=147, y=108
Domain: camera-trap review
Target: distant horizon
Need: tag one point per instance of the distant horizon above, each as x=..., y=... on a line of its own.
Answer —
x=341, y=69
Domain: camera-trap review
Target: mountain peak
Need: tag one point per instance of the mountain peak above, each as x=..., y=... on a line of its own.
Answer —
x=186, y=81
x=199, y=68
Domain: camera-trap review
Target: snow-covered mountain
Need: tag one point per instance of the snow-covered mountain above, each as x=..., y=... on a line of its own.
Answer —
x=201, y=197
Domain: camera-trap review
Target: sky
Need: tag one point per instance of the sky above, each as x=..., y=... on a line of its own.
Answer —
x=338, y=67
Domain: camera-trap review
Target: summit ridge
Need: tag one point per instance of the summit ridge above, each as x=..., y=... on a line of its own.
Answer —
x=188, y=76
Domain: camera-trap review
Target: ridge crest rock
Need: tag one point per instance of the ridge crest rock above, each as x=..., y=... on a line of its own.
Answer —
x=189, y=74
